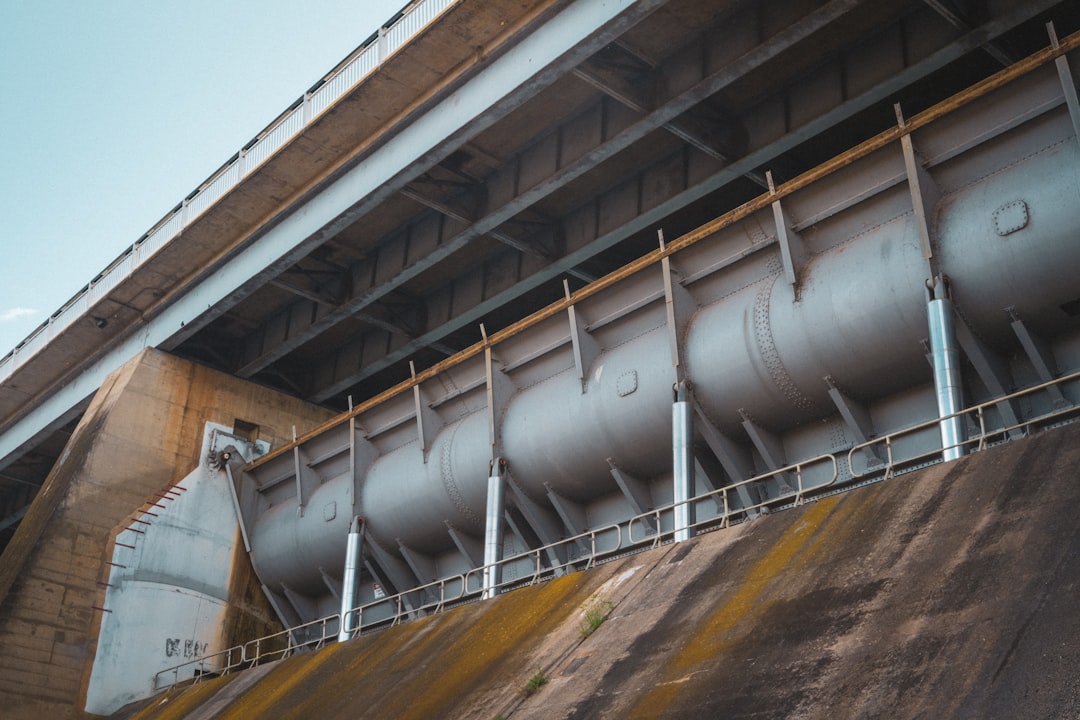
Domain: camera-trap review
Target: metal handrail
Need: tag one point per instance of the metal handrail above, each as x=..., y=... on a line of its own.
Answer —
x=349, y=73
x=980, y=440
x=292, y=643
x=724, y=518
x=402, y=606
x=536, y=555
x=204, y=669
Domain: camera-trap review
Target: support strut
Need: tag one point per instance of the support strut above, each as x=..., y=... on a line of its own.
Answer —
x=682, y=414
x=945, y=355
x=493, y=528
x=349, y=619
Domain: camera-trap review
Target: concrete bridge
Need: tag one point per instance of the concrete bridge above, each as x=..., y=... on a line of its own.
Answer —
x=488, y=244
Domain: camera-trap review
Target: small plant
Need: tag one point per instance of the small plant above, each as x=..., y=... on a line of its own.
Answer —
x=593, y=614
x=536, y=682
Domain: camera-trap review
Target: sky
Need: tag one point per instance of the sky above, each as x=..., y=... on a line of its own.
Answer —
x=113, y=111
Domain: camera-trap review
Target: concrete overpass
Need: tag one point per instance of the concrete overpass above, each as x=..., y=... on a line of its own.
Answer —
x=465, y=161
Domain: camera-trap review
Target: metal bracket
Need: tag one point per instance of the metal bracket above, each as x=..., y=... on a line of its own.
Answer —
x=500, y=388
x=701, y=478
x=679, y=306
x=471, y=548
x=634, y=490
x=925, y=193
x=306, y=478
x=769, y=447
x=362, y=454
x=302, y=605
x=539, y=520
x=991, y=369
x=571, y=513
x=332, y=584
x=422, y=566
x=397, y=572
x=1040, y=356
x=1068, y=83
x=732, y=456
x=586, y=349
x=856, y=416
x=284, y=611
x=793, y=252
x=428, y=422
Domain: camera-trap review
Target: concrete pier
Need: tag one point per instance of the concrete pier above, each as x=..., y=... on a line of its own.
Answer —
x=142, y=432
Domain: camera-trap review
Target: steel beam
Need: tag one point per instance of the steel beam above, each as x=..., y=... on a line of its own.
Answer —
x=1068, y=83
x=583, y=159
x=599, y=238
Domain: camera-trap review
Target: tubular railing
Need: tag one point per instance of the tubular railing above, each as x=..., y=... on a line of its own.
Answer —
x=405, y=603
x=975, y=413
x=346, y=76
x=231, y=658
x=540, y=568
x=721, y=497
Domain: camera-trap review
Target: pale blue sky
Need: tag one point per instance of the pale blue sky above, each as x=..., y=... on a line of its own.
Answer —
x=112, y=111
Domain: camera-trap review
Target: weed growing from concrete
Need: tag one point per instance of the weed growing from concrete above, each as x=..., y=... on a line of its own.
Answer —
x=593, y=614
x=537, y=681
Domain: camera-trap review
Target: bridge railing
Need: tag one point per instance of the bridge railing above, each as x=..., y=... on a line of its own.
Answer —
x=654, y=520
x=361, y=63
x=976, y=419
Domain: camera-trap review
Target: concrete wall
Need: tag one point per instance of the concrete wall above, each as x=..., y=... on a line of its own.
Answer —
x=142, y=432
x=945, y=593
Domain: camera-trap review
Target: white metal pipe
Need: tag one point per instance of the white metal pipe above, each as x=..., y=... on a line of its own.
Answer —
x=493, y=529
x=683, y=453
x=349, y=580
x=945, y=354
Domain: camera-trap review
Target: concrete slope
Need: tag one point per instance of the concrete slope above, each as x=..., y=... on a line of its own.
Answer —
x=950, y=593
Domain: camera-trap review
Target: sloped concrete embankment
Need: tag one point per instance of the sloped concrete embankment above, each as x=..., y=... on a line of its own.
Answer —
x=952, y=592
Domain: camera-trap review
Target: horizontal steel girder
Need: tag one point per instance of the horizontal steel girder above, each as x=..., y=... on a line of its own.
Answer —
x=614, y=132
x=339, y=371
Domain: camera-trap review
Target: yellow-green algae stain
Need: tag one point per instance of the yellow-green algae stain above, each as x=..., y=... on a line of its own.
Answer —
x=178, y=703
x=820, y=527
x=260, y=699
x=422, y=669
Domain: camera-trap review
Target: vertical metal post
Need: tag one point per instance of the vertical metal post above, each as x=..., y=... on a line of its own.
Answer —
x=349, y=579
x=493, y=529
x=945, y=353
x=682, y=414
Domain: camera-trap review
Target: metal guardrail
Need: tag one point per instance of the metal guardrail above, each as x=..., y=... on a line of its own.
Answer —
x=980, y=440
x=587, y=549
x=720, y=496
x=369, y=56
